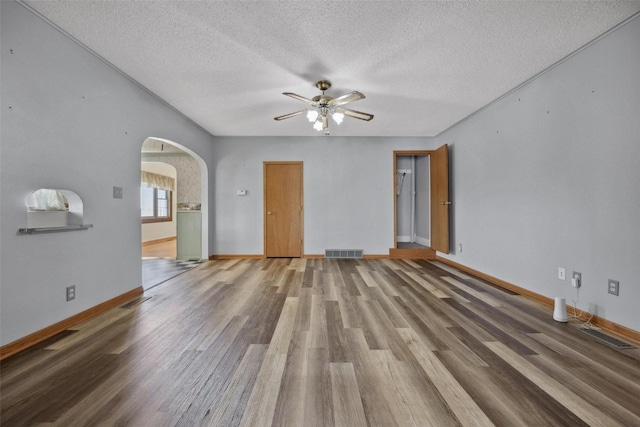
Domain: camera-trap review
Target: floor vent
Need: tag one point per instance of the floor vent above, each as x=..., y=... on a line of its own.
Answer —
x=135, y=302
x=608, y=339
x=343, y=253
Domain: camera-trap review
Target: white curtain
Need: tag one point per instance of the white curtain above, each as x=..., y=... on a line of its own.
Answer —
x=153, y=180
x=46, y=199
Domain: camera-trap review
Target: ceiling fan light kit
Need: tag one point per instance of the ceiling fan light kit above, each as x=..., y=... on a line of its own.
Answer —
x=323, y=106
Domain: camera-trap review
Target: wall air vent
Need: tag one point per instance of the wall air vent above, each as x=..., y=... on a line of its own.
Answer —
x=343, y=253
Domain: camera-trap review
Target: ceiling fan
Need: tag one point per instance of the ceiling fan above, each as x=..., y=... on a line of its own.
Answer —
x=323, y=106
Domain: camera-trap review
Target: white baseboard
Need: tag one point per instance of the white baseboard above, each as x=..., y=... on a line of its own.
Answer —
x=422, y=241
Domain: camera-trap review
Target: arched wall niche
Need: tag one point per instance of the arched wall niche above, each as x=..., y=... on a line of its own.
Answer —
x=54, y=207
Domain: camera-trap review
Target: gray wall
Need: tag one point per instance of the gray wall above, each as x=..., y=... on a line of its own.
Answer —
x=549, y=177
x=348, y=191
x=70, y=121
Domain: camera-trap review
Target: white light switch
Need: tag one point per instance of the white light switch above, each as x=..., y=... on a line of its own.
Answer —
x=241, y=192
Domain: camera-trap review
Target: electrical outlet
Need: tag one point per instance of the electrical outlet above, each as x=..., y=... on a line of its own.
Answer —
x=562, y=273
x=576, y=279
x=614, y=287
x=71, y=292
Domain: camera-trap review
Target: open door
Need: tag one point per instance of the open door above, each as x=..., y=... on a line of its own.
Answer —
x=440, y=199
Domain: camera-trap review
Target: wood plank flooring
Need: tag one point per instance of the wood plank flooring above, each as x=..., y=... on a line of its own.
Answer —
x=291, y=342
x=165, y=249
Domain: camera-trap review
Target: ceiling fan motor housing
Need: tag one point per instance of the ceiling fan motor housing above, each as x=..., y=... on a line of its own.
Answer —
x=322, y=99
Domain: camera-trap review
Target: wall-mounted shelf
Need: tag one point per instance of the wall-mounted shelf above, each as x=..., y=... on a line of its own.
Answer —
x=40, y=230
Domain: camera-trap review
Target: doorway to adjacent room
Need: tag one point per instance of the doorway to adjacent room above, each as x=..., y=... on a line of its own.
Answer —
x=174, y=206
x=421, y=203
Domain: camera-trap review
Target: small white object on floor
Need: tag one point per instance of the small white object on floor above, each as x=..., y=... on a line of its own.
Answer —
x=560, y=310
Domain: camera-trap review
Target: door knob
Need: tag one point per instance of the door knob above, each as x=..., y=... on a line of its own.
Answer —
x=268, y=213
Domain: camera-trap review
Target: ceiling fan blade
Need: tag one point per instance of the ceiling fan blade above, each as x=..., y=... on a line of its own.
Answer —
x=355, y=114
x=286, y=116
x=345, y=99
x=298, y=97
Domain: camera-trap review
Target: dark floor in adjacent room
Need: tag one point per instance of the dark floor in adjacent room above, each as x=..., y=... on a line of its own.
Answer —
x=157, y=270
x=159, y=263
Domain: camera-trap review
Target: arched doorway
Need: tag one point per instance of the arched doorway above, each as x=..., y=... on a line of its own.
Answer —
x=189, y=210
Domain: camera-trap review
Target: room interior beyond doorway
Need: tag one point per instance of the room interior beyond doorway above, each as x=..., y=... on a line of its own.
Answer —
x=412, y=201
x=411, y=205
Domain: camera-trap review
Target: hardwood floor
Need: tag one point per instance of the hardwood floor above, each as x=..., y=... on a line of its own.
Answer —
x=164, y=249
x=290, y=342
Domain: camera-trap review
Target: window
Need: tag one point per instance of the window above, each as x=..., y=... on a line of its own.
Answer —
x=155, y=205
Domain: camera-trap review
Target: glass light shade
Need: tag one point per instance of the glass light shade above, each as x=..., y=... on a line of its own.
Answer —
x=317, y=125
x=312, y=115
x=338, y=117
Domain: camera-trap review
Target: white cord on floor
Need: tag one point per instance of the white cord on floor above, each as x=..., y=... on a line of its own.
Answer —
x=587, y=324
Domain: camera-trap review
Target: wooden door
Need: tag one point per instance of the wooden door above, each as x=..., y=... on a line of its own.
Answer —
x=283, y=209
x=440, y=199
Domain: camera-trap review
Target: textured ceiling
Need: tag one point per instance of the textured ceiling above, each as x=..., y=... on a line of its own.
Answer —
x=423, y=65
